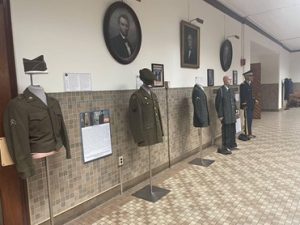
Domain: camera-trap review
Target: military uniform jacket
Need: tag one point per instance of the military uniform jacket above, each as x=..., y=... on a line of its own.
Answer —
x=246, y=96
x=145, y=118
x=226, y=105
x=201, y=116
x=31, y=126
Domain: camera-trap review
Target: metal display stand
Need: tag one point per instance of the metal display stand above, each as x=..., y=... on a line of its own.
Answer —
x=151, y=193
x=47, y=177
x=200, y=161
x=168, y=120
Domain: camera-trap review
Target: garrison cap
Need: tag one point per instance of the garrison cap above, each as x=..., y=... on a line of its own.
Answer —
x=147, y=76
x=248, y=73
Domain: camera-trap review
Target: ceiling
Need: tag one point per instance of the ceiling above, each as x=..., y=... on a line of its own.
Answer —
x=280, y=19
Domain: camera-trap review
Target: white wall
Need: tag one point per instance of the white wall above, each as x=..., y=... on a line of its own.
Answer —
x=69, y=34
x=295, y=67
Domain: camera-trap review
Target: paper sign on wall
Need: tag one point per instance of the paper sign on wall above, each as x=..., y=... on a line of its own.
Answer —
x=95, y=134
x=78, y=82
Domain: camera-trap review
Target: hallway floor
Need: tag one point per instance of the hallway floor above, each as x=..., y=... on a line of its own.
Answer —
x=258, y=184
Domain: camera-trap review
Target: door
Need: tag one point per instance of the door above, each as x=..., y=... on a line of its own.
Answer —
x=13, y=202
x=256, y=68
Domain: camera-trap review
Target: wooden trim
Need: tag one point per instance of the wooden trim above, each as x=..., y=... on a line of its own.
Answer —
x=10, y=48
x=11, y=73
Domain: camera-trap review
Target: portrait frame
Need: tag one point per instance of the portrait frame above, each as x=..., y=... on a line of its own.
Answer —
x=189, y=57
x=122, y=50
x=158, y=71
x=210, y=77
x=226, y=53
x=234, y=77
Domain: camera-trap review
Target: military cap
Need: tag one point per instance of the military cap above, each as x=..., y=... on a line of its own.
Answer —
x=147, y=76
x=248, y=73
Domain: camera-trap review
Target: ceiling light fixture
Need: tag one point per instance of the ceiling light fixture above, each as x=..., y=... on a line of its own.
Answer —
x=198, y=20
x=234, y=35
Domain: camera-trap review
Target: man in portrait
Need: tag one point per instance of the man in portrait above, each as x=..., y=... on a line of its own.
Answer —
x=120, y=43
x=190, y=50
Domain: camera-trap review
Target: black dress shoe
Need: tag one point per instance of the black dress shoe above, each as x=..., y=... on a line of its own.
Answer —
x=234, y=148
x=224, y=151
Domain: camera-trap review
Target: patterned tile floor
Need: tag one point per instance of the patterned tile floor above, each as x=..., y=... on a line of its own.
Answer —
x=258, y=184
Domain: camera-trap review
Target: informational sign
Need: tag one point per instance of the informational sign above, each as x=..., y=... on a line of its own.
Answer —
x=78, y=82
x=95, y=134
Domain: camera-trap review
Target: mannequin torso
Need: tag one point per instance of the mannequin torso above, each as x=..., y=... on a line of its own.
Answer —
x=39, y=92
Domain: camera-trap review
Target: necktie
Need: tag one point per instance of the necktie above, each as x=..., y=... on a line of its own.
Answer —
x=127, y=47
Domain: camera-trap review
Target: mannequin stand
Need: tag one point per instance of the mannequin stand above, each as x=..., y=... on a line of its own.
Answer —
x=47, y=178
x=200, y=161
x=151, y=193
x=49, y=193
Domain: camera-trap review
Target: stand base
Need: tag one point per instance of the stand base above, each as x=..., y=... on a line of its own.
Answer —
x=146, y=194
x=202, y=162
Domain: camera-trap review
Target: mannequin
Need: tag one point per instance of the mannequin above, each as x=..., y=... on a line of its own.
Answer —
x=144, y=113
x=34, y=128
x=146, y=127
x=201, y=115
x=39, y=92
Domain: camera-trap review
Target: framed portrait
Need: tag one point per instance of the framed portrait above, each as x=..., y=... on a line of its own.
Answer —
x=226, y=55
x=210, y=77
x=122, y=32
x=158, y=71
x=234, y=77
x=189, y=45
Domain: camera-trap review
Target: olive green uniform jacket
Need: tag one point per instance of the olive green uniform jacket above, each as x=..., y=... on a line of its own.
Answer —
x=31, y=126
x=145, y=118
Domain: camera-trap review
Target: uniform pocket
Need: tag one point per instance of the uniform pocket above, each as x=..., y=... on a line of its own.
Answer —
x=37, y=116
x=38, y=123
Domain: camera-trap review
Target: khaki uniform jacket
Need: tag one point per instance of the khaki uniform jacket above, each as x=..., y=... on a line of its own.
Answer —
x=145, y=118
x=31, y=126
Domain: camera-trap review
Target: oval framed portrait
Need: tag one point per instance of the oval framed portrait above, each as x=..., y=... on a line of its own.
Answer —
x=122, y=32
x=226, y=55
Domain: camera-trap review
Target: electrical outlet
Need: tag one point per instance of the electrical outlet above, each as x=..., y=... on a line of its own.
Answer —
x=121, y=161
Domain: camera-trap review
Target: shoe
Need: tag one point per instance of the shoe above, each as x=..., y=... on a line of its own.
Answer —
x=252, y=136
x=234, y=148
x=34, y=66
x=224, y=151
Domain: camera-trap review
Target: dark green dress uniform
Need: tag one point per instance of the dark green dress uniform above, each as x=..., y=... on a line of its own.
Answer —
x=31, y=126
x=145, y=118
x=226, y=107
x=201, y=116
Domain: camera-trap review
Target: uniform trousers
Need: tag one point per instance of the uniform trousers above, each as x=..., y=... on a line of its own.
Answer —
x=249, y=113
x=228, y=135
